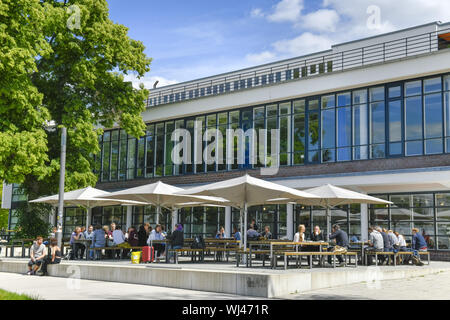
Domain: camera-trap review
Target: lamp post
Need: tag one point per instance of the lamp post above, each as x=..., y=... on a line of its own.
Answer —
x=62, y=172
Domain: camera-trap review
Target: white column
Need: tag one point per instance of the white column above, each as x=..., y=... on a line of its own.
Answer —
x=228, y=230
x=129, y=216
x=88, y=218
x=364, y=222
x=290, y=221
x=174, y=219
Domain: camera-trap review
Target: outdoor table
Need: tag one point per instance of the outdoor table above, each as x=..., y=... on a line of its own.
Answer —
x=225, y=241
x=259, y=243
x=319, y=244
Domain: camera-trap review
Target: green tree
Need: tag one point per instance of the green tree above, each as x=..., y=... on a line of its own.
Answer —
x=31, y=221
x=3, y=212
x=62, y=63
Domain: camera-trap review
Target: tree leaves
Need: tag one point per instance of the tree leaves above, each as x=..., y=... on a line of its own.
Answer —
x=51, y=76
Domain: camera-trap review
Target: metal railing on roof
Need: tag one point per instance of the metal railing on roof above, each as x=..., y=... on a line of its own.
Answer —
x=297, y=69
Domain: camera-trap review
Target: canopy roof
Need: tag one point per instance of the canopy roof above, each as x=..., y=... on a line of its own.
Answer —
x=164, y=195
x=331, y=196
x=87, y=197
x=251, y=191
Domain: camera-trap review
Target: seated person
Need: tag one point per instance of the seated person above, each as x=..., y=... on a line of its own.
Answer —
x=252, y=234
x=98, y=241
x=341, y=239
x=156, y=234
x=375, y=244
x=221, y=233
x=53, y=257
x=37, y=254
x=300, y=235
x=177, y=237
x=236, y=234
x=267, y=234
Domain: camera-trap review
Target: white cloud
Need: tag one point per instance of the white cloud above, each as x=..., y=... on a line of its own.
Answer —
x=338, y=21
x=303, y=44
x=148, y=82
x=320, y=20
x=287, y=10
x=260, y=58
x=257, y=13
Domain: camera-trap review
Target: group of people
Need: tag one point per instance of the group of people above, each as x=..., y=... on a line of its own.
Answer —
x=41, y=257
x=254, y=234
x=112, y=236
x=382, y=240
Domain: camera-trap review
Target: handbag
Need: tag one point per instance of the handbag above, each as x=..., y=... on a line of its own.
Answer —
x=339, y=249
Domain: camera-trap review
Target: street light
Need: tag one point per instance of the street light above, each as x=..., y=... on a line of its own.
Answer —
x=62, y=172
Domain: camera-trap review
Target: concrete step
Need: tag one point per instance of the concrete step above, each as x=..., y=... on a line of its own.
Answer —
x=228, y=279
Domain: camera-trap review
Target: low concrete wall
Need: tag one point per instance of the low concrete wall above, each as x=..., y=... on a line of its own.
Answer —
x=239, y=282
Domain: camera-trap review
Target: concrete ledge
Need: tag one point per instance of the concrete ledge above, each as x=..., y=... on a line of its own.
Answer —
x=247, y=282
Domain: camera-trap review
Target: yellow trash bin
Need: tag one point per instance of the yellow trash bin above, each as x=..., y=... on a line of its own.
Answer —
x=136, y=257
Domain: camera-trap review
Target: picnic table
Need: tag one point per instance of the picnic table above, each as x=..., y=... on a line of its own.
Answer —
x=278, y=243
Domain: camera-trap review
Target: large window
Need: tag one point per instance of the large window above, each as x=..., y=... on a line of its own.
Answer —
x=73, y=217
x=429, y=212
x=348, y=218
x=407, y=118
x=204, y=221
x=377, y=123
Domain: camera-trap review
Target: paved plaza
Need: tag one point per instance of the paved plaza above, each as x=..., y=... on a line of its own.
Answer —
x=432, y=286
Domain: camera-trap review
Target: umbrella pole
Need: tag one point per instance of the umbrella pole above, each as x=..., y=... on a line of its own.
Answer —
x=158, y=212
x=88, y=211
x=328, y=222
x=241, y=226
x=245, y=231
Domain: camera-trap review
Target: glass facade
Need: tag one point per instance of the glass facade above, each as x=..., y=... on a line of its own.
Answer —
x=273, y=216
x=348, y=217
x=408, y=118
x=204, y=221
x=429, y=212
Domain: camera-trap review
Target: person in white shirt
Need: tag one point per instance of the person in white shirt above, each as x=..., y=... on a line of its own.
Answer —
x=401, y=242
x=300, y=235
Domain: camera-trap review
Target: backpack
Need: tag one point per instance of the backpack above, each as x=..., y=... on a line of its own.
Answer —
x=198, y=243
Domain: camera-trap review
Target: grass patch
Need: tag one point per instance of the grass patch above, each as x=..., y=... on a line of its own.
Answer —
x=6, y=295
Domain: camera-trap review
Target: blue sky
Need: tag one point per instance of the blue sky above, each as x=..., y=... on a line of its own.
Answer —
x=198, y=38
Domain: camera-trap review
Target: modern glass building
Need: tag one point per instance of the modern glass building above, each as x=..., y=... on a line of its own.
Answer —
x=371, y=115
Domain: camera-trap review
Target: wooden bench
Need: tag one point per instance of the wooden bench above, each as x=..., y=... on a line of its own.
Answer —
x=315, y=253
x=187, y=250
x=394, y=256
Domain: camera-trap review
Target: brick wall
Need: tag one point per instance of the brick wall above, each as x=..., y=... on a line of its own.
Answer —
x=291, y=171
